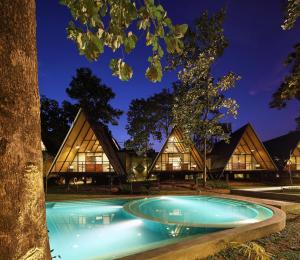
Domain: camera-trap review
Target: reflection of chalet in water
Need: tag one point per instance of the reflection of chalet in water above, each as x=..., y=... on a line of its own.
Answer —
x=177, y=157
x=244, y=155
x=285, y=151
x=87, y=150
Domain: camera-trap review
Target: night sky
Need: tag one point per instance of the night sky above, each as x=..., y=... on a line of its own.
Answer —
x=257, y=48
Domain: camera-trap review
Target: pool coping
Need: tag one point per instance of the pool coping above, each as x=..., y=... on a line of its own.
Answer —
x=198, y=247
x=128, y=208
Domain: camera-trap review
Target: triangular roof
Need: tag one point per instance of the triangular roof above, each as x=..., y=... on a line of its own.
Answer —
x=222, y=151
x=75, y=141
x=281, y=148
x=194, y=152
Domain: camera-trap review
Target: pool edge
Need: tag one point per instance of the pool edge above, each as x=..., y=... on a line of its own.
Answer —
x=203, y=246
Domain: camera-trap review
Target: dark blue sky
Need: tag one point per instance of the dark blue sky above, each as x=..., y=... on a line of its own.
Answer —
x=257, y=48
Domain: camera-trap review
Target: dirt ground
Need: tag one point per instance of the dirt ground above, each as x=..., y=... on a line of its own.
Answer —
x=285, y=244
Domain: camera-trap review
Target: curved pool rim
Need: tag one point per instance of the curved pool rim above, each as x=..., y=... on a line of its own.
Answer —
x=129, y=208
x=204, y=246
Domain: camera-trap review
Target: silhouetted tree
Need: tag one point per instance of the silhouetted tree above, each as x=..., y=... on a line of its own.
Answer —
x=55, y=125
x=140, y=126
x=148, y=119
x=161, y=104
x=93, y=96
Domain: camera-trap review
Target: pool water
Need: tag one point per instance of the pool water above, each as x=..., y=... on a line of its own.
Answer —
x=108, y=229
x=198, y=211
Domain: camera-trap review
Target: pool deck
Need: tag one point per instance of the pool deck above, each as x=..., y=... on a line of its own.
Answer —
x=271, y=193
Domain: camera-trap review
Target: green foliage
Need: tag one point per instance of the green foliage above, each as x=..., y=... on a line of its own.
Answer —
x=121, y=69
x=207, y=36
x=93, y=96
x=290, y=87
x=148, y=118
x=200, y=104
x=292, y=13
x=100, y=23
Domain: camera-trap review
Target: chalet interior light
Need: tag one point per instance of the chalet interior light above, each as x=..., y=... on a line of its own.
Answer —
x=78, y=146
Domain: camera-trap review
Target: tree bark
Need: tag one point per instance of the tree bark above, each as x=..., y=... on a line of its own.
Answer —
x=23, y=232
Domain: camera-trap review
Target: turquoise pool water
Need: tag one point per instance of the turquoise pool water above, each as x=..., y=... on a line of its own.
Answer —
x=203, y=211
x=109, y=229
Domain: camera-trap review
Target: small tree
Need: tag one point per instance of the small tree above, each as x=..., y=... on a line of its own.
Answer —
x=200, y=104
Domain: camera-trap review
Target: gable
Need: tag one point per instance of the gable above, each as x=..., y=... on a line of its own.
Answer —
x=294, y=161
x=86, y=150
x=280, y=148
x=176, y=155
x=245, y=151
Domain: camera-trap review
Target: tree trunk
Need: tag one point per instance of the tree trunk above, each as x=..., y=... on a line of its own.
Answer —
x=23, y=232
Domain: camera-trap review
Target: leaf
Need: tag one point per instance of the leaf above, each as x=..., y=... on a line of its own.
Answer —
x=180, y=30
x=130, y=42
x=97, y=42
x=154, y=72
x=121, y=69
x=170, y=44
x=148, y=38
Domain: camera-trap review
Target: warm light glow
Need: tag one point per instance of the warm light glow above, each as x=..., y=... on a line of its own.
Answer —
x=78, y=146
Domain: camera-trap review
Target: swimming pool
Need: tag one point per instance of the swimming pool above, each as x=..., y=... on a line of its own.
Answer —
x=109, y=229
